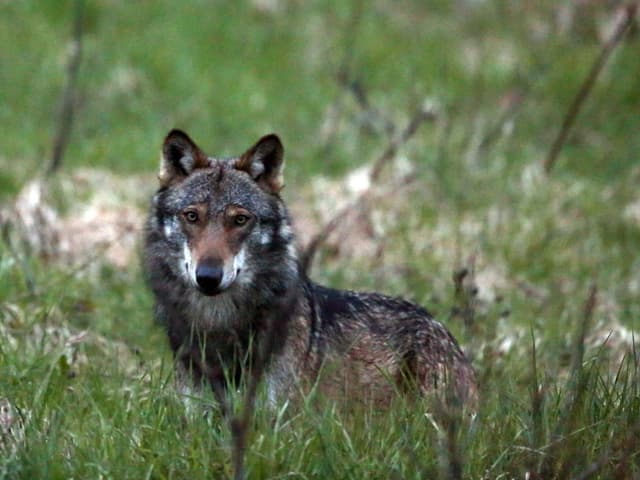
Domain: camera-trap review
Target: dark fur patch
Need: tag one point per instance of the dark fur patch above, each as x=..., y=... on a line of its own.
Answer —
x=220, y=174
x=337, y=304
x=174, y=155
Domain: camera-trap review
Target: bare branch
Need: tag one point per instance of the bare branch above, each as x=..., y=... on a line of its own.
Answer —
x=578, y=347
x=537, y=399
x=29, y=278
x=557, y=463
x=514, y=101
x=306, y=259
x=374, y=120
x=621, y=28
x=332, y=123
x=240, y=424
x=361, y=203
x=628, y=449
x=65, y=118
x=465, y=293
x=425, y=113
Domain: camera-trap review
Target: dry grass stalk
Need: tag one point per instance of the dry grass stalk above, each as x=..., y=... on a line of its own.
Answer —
x=69, y=95
x=619, y=31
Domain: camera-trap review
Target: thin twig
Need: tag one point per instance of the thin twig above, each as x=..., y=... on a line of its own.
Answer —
x=465, y=293
x=557, y=464
x=360, y=204
x=578, y=347
x=627, y=450
x=621, y=27
x=448, y=410
x=65, y=118
x=353, y=27
x=537, y=396
x=422, y=115
x=374, y=120
x=344, y=74
x=29, y=278
x=537, y=399
x=515, y=101
x=239, y=423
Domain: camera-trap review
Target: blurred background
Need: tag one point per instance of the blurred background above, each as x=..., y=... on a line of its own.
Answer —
x=230, y=71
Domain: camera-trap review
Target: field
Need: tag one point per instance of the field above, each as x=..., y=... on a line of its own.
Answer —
x=536, y=270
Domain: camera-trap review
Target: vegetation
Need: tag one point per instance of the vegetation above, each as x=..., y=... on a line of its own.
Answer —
x=538, y=274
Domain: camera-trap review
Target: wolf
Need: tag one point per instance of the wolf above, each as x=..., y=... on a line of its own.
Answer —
x=220, y=257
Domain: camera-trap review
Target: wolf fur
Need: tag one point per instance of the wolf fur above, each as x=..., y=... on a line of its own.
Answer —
x=220, y=258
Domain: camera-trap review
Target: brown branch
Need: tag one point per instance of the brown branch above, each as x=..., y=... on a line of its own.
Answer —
x=557, y=463
x=423, y=114
x=585, y=89
x=351, y=35
x=361, y=202
x=240, y=423
x=465, y=293
x=627, y=449
x=344, y=74
x=306, y=259
x=374, y=121
x=29, y=278
x=537, y=399
x=514, y=102
x=346, y=79
x=66, y=115
x=587, y=316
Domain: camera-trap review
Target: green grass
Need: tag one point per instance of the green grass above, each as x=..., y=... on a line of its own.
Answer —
x=90, y=373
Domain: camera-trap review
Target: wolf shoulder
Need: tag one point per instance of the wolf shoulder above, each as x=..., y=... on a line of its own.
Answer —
x=379, y=313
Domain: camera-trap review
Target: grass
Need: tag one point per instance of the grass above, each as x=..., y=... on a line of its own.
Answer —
x=90, y=375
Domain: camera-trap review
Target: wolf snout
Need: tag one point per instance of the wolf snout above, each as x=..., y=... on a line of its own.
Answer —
x=209, y=277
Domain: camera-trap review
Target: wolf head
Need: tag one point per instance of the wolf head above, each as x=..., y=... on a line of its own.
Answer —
x=220, y=221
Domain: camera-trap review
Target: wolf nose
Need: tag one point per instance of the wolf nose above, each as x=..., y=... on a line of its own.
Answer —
x=209, y=277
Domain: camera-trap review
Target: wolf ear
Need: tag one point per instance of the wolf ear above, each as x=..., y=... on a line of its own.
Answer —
x=264, y=162
x=180, y=157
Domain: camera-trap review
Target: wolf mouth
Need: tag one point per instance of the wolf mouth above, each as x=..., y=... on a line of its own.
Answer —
x=210, y=292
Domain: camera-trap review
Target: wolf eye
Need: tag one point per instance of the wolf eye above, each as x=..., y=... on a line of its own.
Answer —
x=191, y=216
x=240, y=219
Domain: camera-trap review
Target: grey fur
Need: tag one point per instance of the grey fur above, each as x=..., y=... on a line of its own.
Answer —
x=349, y=344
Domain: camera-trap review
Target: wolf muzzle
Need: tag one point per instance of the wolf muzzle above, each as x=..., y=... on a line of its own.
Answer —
x=209, y=276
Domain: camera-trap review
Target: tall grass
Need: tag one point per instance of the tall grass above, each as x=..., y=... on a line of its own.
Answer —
x=501, y=253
